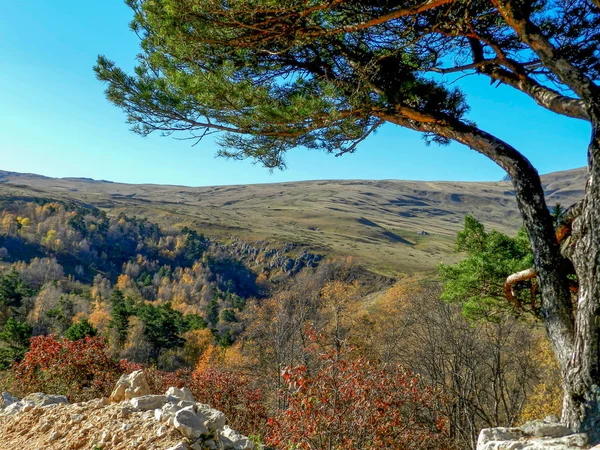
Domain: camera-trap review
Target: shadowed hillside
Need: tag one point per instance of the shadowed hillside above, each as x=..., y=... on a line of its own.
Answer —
x=393, y=226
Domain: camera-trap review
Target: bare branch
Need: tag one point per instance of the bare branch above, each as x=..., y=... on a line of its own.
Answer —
x=523, y=275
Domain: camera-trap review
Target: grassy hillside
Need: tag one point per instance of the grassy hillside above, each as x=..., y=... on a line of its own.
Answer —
x=377, y=221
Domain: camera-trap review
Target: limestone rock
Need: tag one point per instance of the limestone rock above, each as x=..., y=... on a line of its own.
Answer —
x=12, y=409
x=143, y=422
x=6, y=400
x=40, y=399
x=536, y=435
x=180, y=446
x=214, y=420
x=182, y=394
x=130, y=386
x=549, y=427
x=189, y=424
x=148, y=402
x=232, y=440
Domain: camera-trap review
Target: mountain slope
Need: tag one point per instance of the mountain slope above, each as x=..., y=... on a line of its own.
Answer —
x=393, y=226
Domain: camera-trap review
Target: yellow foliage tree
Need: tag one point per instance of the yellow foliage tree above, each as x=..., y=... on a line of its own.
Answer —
x=124, y=282
x=100, y=319
x=546, y=398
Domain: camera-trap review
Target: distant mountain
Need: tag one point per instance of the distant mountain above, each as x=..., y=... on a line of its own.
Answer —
x=393, y=226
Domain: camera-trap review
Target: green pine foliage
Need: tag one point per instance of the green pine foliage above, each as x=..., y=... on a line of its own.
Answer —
x=14, y=338
x=13, y=290
x=163, y=327
x=207, y=68
x=120, y=311
x=477, y=282
x=80, y=330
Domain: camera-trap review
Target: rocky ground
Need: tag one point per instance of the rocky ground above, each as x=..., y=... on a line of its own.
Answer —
x=130, y=418
x=547, y=434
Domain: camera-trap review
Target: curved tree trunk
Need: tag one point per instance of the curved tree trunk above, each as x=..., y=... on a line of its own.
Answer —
x=581, y=408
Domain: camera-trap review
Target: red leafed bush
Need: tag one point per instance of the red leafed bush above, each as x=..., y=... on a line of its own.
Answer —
x=158, y=380
x=81, y=369
x=351, y=403
x=234, y=394
x=230, y=392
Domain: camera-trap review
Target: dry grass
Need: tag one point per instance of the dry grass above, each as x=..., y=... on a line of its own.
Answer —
x=376, y=221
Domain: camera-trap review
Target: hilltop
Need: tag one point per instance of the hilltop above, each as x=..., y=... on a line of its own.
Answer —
x=392, y=226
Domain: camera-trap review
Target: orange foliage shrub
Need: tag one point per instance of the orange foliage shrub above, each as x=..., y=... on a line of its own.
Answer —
x=235, y=395
x=232, y=393
x=351, y=403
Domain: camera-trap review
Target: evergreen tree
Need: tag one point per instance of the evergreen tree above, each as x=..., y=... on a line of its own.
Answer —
x=212, y=311
x=15, y=337
x=477, y=282
x=13, y=290
x=120, y=311
x=163, y=327
x=558, y=212
x=80, y=330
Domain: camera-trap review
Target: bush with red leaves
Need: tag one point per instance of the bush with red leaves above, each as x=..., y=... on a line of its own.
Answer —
x=352, y=403
x=158, y=380
x=81, y=370
x=230, y=392
x=235, y=395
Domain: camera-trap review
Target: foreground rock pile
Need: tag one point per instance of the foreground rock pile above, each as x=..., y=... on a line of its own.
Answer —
x=130, y=418
x=536, y=435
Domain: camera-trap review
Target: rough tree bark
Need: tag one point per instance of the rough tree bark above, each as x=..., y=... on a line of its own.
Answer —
x=581, y=369
x=581, y=409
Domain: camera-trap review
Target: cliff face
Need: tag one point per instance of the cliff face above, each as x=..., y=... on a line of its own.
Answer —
x=130, y=418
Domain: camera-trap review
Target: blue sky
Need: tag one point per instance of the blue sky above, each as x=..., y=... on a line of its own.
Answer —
x=55, y=121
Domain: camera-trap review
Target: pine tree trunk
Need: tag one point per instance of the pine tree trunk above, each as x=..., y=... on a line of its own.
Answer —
x=581, y=407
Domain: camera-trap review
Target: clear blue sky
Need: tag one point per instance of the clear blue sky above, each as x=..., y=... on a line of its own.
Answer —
x=55, y=121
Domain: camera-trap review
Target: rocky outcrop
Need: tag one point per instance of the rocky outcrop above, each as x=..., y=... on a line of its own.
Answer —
x=272, y=257
x=13, y=405
x=130, y=386
x=131, y=418
x=547, y=434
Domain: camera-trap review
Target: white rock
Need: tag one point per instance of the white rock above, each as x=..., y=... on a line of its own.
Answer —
x=76, y=418
x=231, y=439
x=185, y=403
x=189, y=424
x=27, y=407
x=162, y=430
x=41, y=399
x=159, y=415
x=14, y=408
x=105, y=437
x=545, y=428
x=44, y=426
x=515, y=439
x=148, y=402
x=130, y=386
x=180, y=446
x=212, y=419
x=7, y=400
x=182, y=394
x=170, y=407
x=54, y=436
